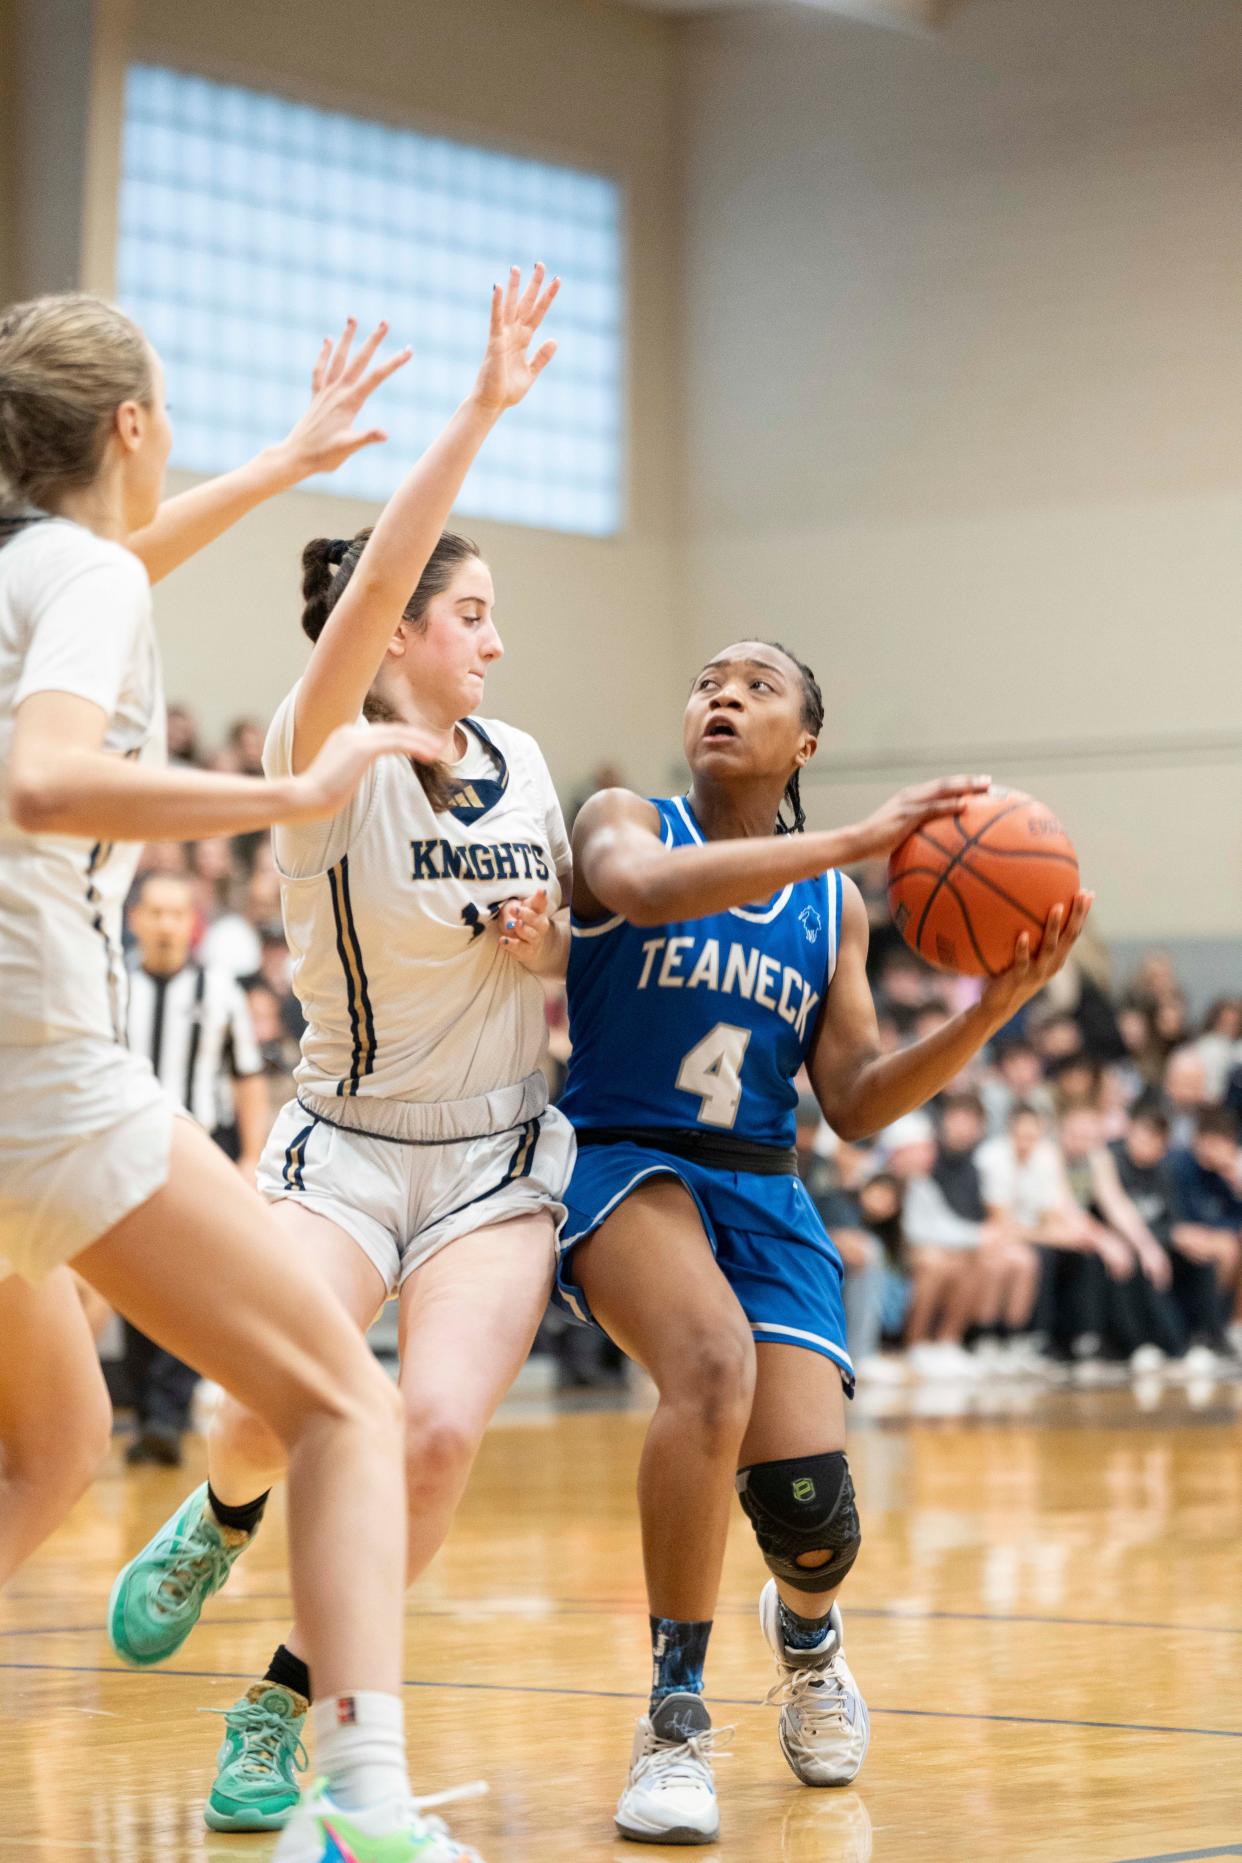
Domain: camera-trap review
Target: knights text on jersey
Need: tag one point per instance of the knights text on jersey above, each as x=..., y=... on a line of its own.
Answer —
x=702, y=1024
x=389, y=913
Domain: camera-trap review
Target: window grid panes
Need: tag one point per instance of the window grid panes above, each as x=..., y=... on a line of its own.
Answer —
x=252, y=226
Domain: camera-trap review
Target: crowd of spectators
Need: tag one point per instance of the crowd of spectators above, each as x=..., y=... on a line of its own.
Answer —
x=1071, y=1208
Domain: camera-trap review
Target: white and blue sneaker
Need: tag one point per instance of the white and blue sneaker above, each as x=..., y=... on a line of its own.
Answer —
x=670, y=1797
x=825, y=1729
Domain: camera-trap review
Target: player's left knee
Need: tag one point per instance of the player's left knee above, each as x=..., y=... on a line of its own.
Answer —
x=805, y=1518
x=440, y=1445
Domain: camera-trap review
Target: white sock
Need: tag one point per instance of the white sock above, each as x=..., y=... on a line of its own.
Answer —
x=360, y=1748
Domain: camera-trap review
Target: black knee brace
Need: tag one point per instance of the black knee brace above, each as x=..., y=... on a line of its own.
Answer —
x=805, y=1505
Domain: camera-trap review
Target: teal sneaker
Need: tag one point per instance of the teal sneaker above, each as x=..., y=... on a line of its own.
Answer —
x=256, y=1786
x=158, y=1597
x=321, y=1832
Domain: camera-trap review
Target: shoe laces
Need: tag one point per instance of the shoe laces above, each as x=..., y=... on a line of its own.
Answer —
x=418, y=1824
x=818, y=1694
x=265, y=1735
x=191, y=1561
x=684, y=1762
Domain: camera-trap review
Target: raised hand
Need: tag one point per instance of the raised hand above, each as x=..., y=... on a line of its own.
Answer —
x=327, y=784
x=507, y=371
x=1004, y=995
x=325, y=437
x=888, y=827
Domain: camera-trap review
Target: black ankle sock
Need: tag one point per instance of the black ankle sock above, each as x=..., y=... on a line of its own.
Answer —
x=243, y=1519
x=802, y=1633
x=289, y=1671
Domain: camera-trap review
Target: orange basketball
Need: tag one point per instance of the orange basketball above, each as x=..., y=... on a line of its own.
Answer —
x=962, y=887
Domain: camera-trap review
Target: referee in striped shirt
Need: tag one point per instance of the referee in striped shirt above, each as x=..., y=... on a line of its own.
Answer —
x=194, y=1025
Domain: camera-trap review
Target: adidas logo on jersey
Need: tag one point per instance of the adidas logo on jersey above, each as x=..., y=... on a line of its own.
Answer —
x=499, y=860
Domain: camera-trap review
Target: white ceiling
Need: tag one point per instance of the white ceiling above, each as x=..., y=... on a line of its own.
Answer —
x=909, y=15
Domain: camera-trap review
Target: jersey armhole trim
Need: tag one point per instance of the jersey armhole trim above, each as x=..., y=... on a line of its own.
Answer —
x=753, y=915
x=834, y=920
x=577, y=929
x=589, y=928
x=321, y=873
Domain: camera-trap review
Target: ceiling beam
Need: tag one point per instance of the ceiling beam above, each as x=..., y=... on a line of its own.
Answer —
x=906, y=15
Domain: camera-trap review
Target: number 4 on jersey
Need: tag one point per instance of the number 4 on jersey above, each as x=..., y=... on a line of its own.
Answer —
x=713, y=1071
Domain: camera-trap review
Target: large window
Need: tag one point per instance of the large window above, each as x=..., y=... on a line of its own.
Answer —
x=252, y=226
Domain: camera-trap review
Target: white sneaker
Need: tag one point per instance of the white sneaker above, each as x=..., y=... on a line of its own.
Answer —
x=1147, y=1361
x=942, y=1359
x=1199, y=1362
x=397, y=1833
x=884, y=1368
x=825, y=1729
x=670, y=1797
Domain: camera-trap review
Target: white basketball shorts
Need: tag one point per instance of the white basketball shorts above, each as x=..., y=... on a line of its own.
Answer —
x=402, y=1200
x=85, y=1134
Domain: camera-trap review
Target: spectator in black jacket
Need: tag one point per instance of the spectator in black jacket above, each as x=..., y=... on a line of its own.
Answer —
x=1207, y=1225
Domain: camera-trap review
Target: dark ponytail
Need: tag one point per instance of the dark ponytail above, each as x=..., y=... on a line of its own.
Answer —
x=812, y=721
x=327, y=565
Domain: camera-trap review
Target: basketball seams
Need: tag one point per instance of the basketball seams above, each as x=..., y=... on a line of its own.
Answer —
x=1008, y=898
x=968, y=842
x=921, y=834
x=1028, y=853
x=970, y=930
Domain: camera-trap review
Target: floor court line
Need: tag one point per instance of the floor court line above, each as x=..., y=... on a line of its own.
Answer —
x=608, y=1607
x=617, y=1694
x=1190, y=1856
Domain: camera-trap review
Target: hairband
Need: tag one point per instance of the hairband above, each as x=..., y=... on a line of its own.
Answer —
x=338, y=550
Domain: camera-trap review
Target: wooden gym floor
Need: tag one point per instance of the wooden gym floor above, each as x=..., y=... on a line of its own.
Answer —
x=1046, y=1622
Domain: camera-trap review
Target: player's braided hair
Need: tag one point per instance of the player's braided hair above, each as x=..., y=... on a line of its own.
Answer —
x=327, y=565
x=812, y=721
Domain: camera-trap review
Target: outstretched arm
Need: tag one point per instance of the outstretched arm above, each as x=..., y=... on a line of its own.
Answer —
x=350, y=651
x=322, y=440
x=862, y=1090
x=62, y=780
x=622, y=865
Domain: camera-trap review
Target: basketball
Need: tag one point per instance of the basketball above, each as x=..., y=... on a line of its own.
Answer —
x=963, y=887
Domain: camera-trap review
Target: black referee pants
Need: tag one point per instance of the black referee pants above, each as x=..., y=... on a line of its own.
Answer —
x=160, y=1386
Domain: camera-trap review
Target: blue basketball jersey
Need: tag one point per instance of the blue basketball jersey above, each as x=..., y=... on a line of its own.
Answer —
x=701, y=1024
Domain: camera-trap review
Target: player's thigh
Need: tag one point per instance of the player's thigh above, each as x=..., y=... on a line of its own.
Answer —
x=321, y=1247
x=798, y=1407
x=202, y=1268
x=316, y=1246
x=53, y=1399
x=469, y=1314
x=654, y=1285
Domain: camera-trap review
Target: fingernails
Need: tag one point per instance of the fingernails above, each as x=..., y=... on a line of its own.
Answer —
x=510, y=925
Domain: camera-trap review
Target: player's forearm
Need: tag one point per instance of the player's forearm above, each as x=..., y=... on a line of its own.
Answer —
x=98, y=796
x=350, y=651
x=887, y=1086
x=189, y=522
x=669, y=884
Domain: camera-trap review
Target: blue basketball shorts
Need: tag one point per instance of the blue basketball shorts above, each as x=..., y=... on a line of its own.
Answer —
x=765, y=1233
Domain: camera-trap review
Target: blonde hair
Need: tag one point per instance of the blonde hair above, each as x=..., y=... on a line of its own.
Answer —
x=66, y=365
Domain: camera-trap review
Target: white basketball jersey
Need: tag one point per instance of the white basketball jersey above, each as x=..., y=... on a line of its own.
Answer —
x=389, y=910
x=75, y=617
